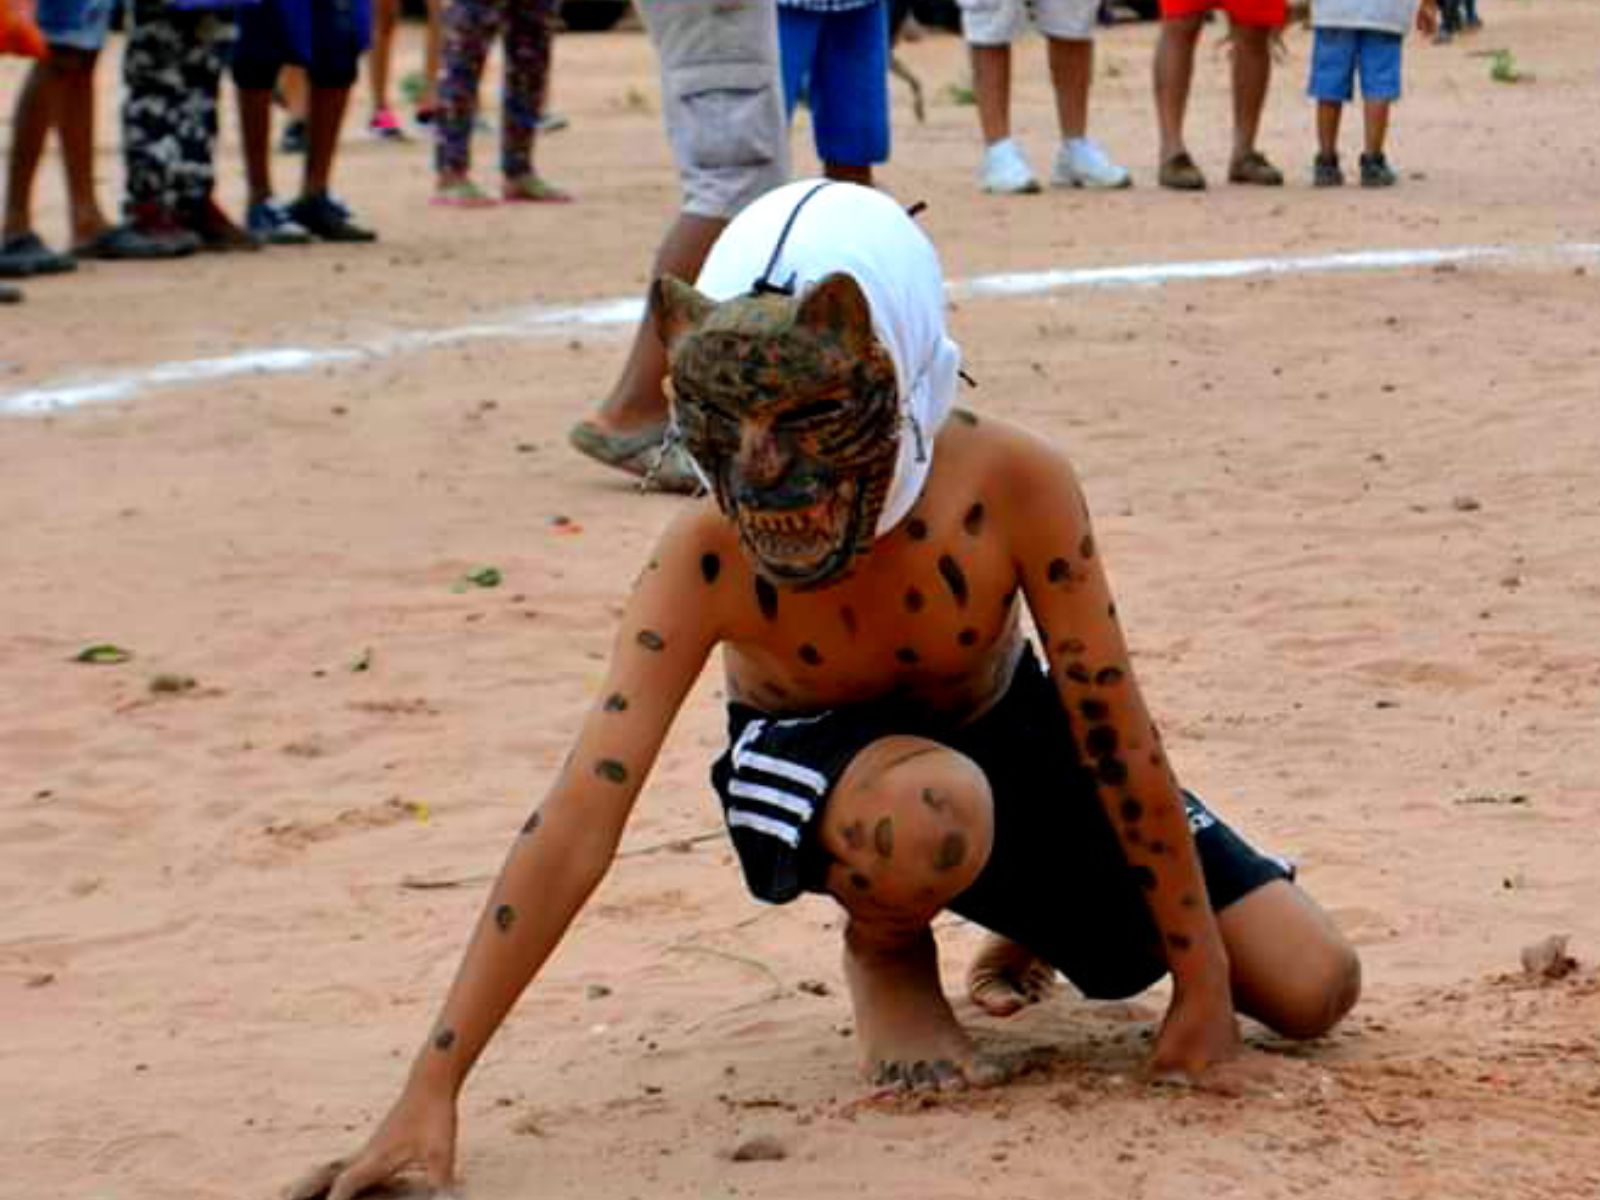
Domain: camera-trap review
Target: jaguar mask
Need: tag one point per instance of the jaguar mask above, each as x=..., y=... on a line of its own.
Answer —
x=790, y=407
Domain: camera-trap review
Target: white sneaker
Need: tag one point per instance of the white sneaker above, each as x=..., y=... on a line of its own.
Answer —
x=1005, y=170
x=1083, y=162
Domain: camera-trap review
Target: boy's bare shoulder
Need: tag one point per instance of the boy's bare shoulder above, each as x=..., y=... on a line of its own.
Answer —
x=1012, y=458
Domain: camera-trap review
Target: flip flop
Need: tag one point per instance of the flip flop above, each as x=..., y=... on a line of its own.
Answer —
x=643, y=452
x=463, y=193
x=26, y=254
x=531, y=189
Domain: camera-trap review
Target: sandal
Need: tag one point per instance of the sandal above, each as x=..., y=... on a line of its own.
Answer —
x=531, y=189
x=644, y=452
x=26, y=254
x=1181, y=174
x=1254, y=168
x=462, y=193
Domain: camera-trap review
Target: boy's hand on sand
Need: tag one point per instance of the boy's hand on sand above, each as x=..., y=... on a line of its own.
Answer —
x=1199, y=1030
x=420, y=1132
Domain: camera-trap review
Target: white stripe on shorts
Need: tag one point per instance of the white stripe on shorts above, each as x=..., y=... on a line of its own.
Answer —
x=798, y=805
x=784, y=769
x=785, y=833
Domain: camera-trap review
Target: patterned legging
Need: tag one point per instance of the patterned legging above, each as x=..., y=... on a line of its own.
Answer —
x=171, y=69
x=470, y=29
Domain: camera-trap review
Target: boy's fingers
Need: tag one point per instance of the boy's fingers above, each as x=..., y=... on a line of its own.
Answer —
x=314, y=1184
x=367, y=1171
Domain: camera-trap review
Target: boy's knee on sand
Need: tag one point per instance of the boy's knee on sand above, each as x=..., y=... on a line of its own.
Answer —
x=1292, y=969
x=909, y=827
x=1314, y=1001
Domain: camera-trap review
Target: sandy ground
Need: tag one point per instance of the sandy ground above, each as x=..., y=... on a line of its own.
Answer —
x=1353, y=524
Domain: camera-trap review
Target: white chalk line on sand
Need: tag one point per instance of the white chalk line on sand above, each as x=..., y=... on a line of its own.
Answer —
x=546, y=320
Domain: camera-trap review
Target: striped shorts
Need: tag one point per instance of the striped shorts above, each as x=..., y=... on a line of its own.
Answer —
x=1056, y=880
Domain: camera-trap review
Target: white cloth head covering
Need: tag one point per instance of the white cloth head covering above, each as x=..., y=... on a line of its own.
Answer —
x=863, y=233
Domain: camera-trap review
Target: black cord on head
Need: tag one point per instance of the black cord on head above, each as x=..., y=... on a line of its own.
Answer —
x=916, y=209
x=763, y=283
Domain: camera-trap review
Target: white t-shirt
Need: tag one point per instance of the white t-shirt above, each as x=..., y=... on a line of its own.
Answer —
x=1387, y=16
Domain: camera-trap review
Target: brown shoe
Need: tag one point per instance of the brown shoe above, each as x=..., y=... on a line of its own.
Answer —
x=1181, y=174
x=1254, y=168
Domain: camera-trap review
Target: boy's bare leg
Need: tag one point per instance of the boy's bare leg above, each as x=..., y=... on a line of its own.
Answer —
x=1006, y=978
x=37, y=105
x=1071, y=68
x=324, y=119
x=848, y=174
x=1174, y=70
x=636, y=400
x=432, y=49
x=991, y=86
x=75, y=121
x=908, y=828
x=255, y=132
x=1376, y=113
x=385, y=15
x=1328, y=113
x=1252, y=71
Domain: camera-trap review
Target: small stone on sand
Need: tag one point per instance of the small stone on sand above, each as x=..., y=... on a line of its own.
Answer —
x=761, y=1148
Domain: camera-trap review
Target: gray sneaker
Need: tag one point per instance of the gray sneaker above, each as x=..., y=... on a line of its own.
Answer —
x=1325, y=171
x=1376, y=172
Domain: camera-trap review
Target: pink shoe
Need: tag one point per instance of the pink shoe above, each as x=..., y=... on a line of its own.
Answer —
x=530, y=189
x=386, y=126
x=462, y=193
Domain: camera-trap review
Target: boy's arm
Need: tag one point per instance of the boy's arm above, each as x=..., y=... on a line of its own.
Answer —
x=1070, y=599
x=557, y=859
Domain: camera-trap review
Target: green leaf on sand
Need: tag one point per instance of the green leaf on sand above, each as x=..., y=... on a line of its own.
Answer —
x=484, y=577
x=102, y=652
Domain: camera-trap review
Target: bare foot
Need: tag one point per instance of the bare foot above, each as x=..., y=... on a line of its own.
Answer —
x=1005, y=978
x=910, y=1038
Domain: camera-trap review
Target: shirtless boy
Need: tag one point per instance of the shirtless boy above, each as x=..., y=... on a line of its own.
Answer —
x=895, y=739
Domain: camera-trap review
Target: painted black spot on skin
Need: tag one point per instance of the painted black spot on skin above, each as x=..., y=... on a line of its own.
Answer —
x=1157, y=846
x=1070, y=646
x=1101, y=741
x=968, y=637
x=766, y=599
x=610, y=769
x=616, y=702
x=908, y=656
x=973, y=521
x=952, y=852
x=914, y=600
x=1086, y=547
x=1111, y=611
x=1106, y=676
x=535, y=819
x=1059, y=570
x=1077, y=672
x=855, y=835
x=1144, y=877
x=1178, y=941
x=954, y=578
x=1155, y=760
x=860, y=882
x=650, y=640
x=1131, y=810
x=445, y=1039
x=933, y=800
x=916, y=529
x=505, y=917
x=809, y=655
x=710, y=567
x=1112, y=770
x=1132, y=836
x=883, y=837
x=1189, y=901
x=965, y=416
x=848, y=616
x=1094, y=710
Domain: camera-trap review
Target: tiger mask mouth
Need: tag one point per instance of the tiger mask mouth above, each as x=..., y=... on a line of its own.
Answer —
x=790, y=407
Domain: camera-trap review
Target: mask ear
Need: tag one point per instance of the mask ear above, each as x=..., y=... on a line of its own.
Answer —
x=676, y=308
x=836, y=305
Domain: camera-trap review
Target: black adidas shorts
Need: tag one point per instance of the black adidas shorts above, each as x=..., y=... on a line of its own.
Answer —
x=1056, y=880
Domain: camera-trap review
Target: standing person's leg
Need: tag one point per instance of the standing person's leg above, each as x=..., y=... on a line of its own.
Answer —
x=152, y=78
x=1069, y=28
x=432, y=47
x=35, y=115
x=722, y=102
x=1379, y=58
x=1251, y=26
x=340, y=31
x=470, y=27
x=527, y=76
x=850, y=92
x=989, y=27
x=1173, y=71
x=208, y=39
x=1332, y=71
x=383, y=123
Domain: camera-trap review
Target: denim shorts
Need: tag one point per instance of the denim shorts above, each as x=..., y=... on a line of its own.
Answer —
x=327, y=37
x=841, y=60
x=74, y=24
x=1338, y=55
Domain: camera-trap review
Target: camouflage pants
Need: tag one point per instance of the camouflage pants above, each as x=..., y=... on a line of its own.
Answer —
x=171, y=69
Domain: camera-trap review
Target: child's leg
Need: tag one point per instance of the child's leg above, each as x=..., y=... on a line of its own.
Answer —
x=1376, y=113
x=527, y=74
x=75, y=122
x=908, y=828
x=1331, y=84
x=152, y=95
x=208, y=40
x=385, y=16
x=1292, y=970
x=850, y=92
x=991, y=84
x=470, y=27
x=1328, y=114
x=36, y=112
x=1071, y=68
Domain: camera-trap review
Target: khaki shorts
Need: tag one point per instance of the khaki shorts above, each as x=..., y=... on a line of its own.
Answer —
x=721, y=99
x=1001, y=22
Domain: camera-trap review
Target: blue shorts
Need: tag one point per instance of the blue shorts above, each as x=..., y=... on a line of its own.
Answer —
x=74, y=24
x=326, y=37
x=841, y=60
x=1338, y=55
